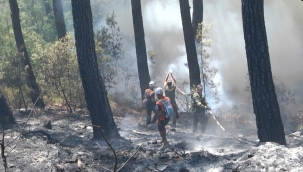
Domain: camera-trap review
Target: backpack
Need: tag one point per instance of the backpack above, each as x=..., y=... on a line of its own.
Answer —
x=167, y=107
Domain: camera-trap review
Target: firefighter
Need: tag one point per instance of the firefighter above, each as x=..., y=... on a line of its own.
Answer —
x=198, y=108
x=170, y=91
x=150, y=103
x=165, y=110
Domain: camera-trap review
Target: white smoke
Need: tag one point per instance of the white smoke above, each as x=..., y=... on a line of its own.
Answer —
x=164, y=34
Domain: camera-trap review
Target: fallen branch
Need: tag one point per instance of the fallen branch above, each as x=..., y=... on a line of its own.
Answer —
x=116, y=160
x=23, y=126
x=62, y=145
x=4, y=157
x=129, y=158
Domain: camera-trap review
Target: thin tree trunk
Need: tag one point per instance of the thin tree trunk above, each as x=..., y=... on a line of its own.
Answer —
x=22, y=100
x=25, y=60
x=144, y=76
x=189, y=38
x=20, y=88
x=93, y=85
x=59, y=18
x=265, y=104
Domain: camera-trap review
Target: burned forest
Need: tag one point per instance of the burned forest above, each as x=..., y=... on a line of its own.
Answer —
x=151, y=86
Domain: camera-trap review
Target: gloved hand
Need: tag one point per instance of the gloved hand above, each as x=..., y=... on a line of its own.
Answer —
x=207, y=108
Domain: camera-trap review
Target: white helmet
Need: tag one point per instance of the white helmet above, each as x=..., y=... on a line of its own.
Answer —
x=152, y=84
x=158, y=90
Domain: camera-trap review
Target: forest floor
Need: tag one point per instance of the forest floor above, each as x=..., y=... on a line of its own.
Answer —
x=68, y=146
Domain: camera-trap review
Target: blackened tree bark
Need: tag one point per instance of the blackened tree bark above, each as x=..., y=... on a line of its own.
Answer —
x=25, y=60
x=94, y=88
x=144, y=76
x=265, y=104
x=6, y=116
x=59, y=18
x=197, y=14
x=189, y=38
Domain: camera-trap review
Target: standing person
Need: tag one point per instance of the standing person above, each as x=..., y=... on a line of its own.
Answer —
x=164, y=104
x=150, y=103
x=170, y=91
x=199, y=106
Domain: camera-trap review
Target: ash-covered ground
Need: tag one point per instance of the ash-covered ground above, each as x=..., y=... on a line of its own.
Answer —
x=68, y=146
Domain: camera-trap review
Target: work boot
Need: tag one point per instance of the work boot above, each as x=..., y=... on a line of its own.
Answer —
x=163, y=141
x=173, y=129
x=165, y=145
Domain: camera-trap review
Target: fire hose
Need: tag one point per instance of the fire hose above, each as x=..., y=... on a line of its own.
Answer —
x=213, y=116
x=209, y=111
x=182, y=92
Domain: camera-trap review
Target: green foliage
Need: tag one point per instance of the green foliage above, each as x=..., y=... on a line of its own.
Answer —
x=207, y=72
x=107, y=71
x=11, y=76
x=109, y=50
x=7, y=41
x=55, y=63
x=110, y=37
x=37, y=28
x=58, y=72
x=37, y=19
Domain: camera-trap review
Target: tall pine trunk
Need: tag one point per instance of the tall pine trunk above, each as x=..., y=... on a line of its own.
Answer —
x=189, y=38
x=59, y=18
x=92, y=82
x=144, y=76
x=197, y=14
x=25, y=60
x=265, y=104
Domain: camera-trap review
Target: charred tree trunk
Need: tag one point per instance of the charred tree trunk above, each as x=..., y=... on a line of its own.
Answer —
x=25, y=61
x=144, y=76
x=94, y=88
x=265, y=104
x=197, y=14
x=189, y=38
x=6, y=116
x=59, y=18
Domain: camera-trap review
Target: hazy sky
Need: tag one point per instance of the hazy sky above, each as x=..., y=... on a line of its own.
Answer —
x=163, y=33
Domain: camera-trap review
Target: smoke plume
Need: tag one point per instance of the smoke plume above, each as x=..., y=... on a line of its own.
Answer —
x=164, y=34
